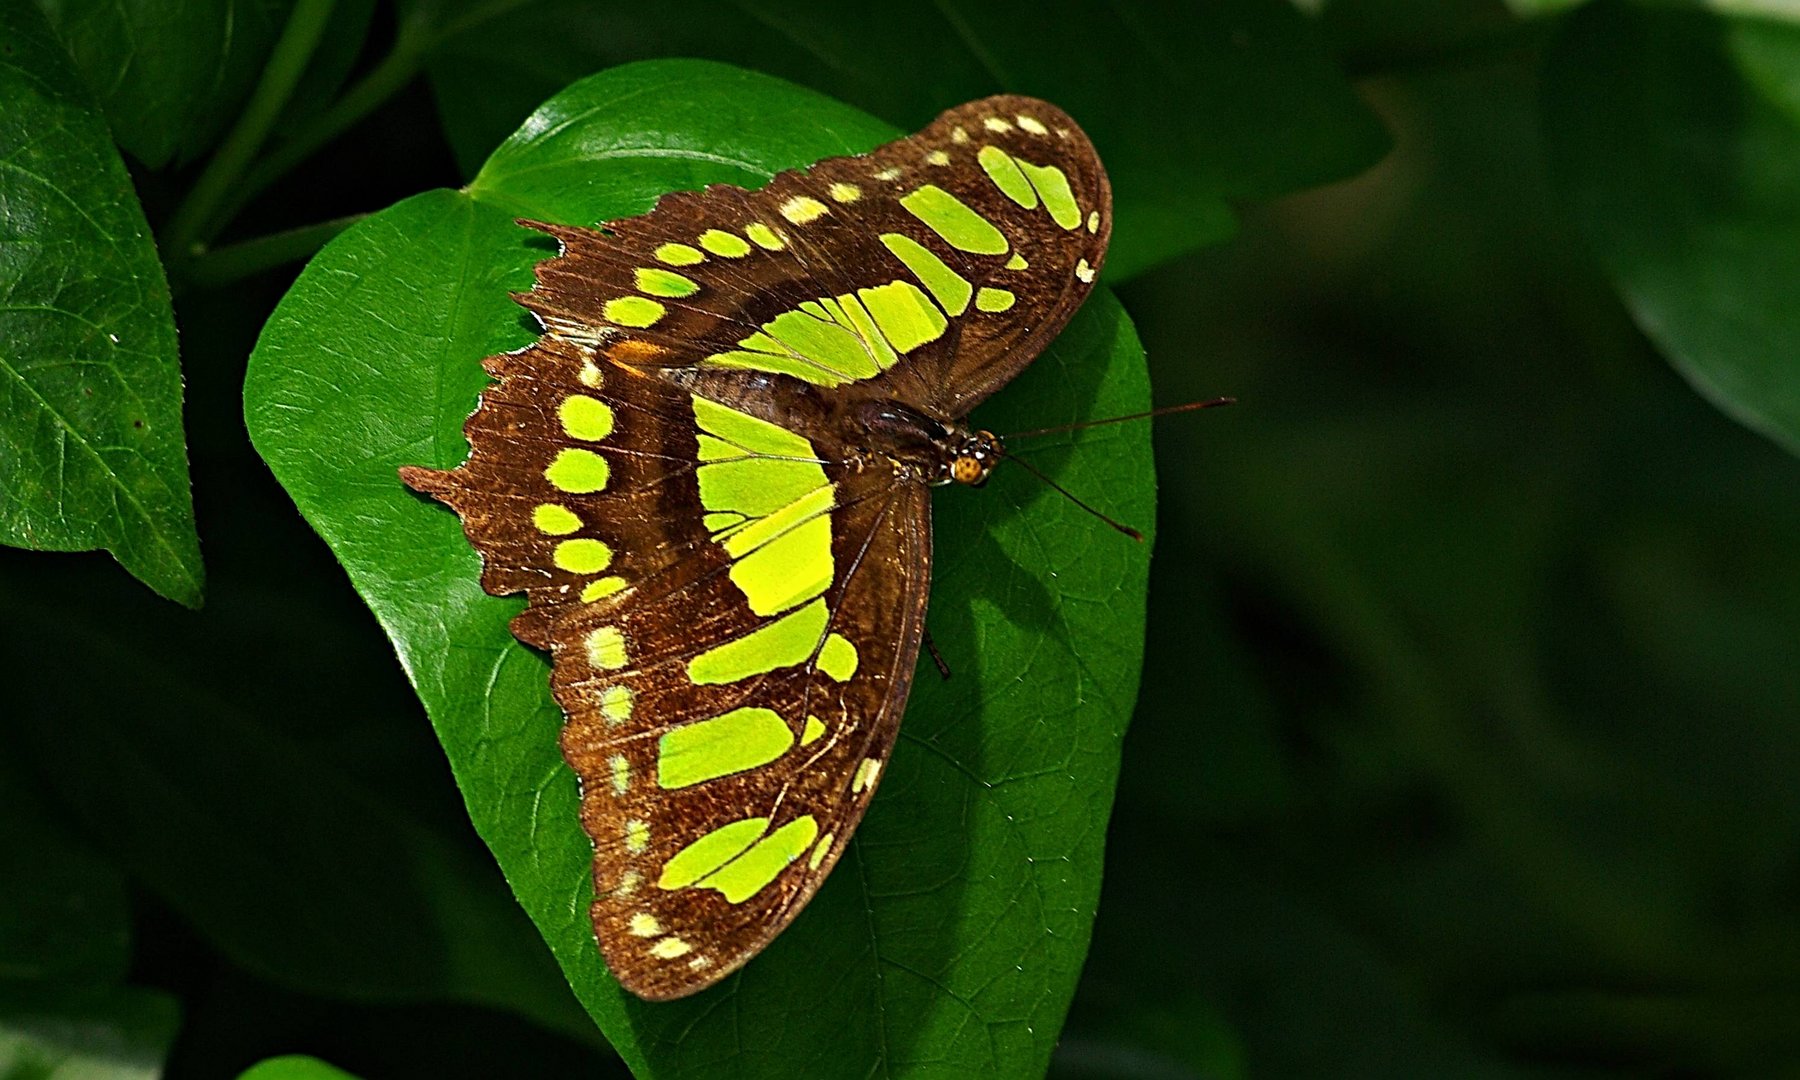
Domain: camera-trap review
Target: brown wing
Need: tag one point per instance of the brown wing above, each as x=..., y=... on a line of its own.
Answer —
x=679, y=724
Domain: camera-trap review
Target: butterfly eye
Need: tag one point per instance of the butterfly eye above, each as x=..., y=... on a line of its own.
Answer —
x=967, y=469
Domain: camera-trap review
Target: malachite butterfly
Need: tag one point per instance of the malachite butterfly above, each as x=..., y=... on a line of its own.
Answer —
x=711, y=476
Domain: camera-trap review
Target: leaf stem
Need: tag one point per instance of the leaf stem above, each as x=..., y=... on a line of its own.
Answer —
x=234, y=262
x=197, y=217
x=412, y=46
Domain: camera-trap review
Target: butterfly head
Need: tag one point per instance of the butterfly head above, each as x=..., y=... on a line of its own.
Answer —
x=973, y=457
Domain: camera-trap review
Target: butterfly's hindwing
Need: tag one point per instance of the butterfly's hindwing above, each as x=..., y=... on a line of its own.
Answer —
x=732, y=588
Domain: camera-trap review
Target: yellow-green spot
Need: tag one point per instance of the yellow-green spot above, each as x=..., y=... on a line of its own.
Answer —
x=1017, y=262
x=710, y=852
x=583, y=556
x=578, y=472
x=814, y=728
x=637, y=836
x=1053, y=187
x=585, y=418
x=741, y=739
x=644, y=924
x=783, y=556
x=951, y=288
x=844, y=193
x=784, y=559
x=906, y=316
x=615, y=704
x=659, y=282
x=820, y=850
x=837, y=658
x=722, y=243
x=763, y=236
x=820, y=340
x=989, y=299
x=555, y=520
x=803, y=208
x=1004, y=172
x=633, y=311
x=751, y=872
x=951, y=218
x=785, y=642
x=601, y=588
x=606, y=648
x=679, y=255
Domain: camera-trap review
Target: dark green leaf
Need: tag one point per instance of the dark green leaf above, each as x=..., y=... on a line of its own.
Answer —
x=952, y=934
x=169, y=74
x=1191, y=105
x=121, y=1034
x=1675, y=139
x=91, y=446
x=65, y=919
x=230, y=800
x=294, y=1067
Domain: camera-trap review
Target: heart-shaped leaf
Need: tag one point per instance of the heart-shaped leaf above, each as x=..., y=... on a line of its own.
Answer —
x=91, y=447
x=950, y=938
x=1675, y=139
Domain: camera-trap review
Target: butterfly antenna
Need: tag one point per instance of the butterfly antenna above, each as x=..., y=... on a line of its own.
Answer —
x=1167, y=410
x=1069, y=495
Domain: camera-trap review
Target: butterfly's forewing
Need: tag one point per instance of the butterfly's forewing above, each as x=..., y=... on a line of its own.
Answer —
x=731, y=587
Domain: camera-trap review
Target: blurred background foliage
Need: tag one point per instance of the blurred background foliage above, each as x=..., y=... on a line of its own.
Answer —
x=1466, y=744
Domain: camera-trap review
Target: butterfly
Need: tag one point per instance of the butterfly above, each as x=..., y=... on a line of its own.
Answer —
x=711, y=476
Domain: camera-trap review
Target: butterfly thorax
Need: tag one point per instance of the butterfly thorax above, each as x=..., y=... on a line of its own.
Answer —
x=932, y=451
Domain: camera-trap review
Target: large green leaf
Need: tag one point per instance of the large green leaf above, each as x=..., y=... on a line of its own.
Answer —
x=949, y=941
x=1675, y=139
x=170, y=74
x=1191, y=105
x=91, y=447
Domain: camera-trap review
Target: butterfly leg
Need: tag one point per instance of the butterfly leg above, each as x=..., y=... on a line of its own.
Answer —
x=937, y=657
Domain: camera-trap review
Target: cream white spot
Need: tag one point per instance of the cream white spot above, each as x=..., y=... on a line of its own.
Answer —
x=621, y=773
x=803, y=208
x=1093, y=221
x=890, y=173
x=844, y=193
x=644, y=924
x=699, y=962
x=606, y=648
x=1084, y=271
x=1033, y=125
x=937, y=157
x=996, y=123
x=960, y=135
x=590, y=375
x=637, y=836
x=865, y=775
x=615, y=704
x=669, y=948
x=628, y=883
